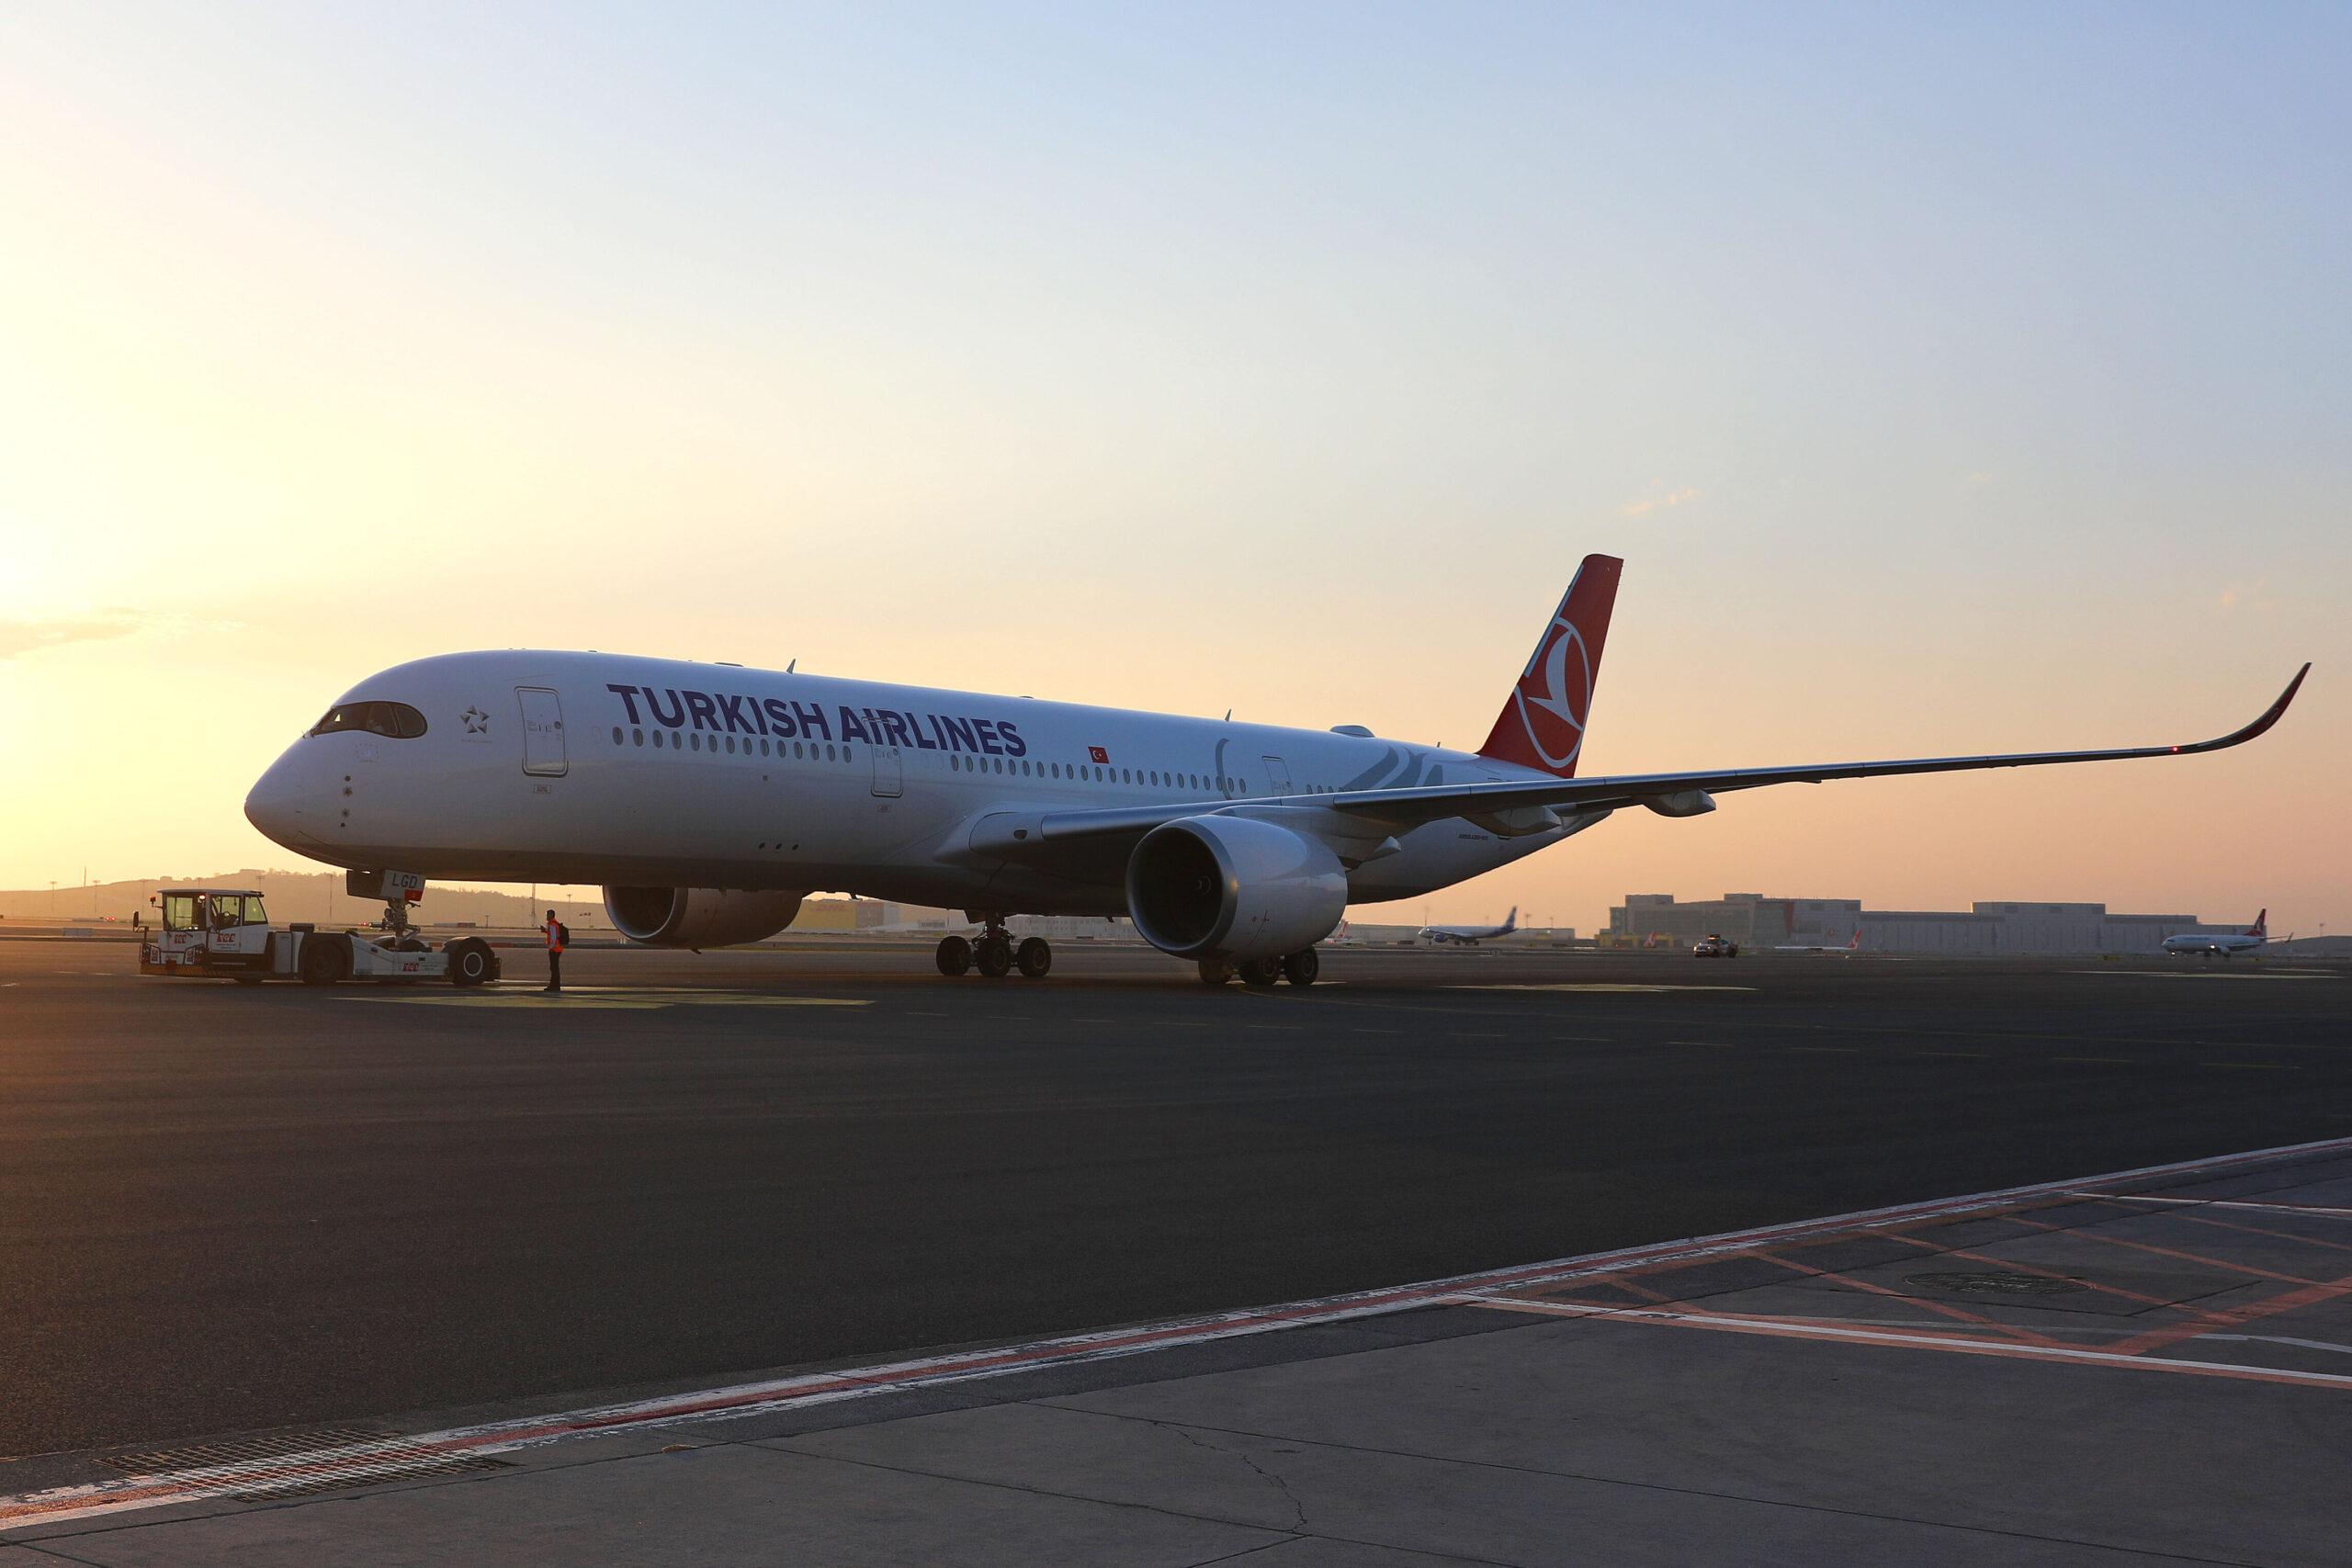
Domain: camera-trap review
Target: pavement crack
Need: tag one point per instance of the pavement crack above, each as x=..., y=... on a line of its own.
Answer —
x=1297, y=1508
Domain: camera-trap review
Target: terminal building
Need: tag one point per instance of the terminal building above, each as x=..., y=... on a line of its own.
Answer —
x=1761, y=923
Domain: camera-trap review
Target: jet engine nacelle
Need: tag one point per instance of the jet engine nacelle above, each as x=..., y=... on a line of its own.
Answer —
x=1229, y=887
x=698, y=916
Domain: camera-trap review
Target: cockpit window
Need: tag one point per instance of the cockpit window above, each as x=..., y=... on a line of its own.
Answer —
x=397, y=721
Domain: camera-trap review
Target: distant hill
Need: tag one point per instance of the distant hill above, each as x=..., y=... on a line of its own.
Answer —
x=296, y=896
x=319, y=897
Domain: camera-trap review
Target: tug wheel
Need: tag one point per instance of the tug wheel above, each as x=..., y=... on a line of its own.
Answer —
x=323, y=962
x=470, y=961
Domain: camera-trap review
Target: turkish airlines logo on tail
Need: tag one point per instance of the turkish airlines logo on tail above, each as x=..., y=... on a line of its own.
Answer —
x=1556, y=695
x=1543, y=720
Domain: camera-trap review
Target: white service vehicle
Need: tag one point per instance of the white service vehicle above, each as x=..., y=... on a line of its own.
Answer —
x=223, y=933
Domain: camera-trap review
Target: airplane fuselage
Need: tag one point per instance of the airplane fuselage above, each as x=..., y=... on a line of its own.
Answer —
x=2225, y=945
x=643, y=771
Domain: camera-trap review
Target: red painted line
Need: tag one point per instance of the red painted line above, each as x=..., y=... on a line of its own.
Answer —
x=2319, y=1209
x=2257, y=1230
x=2310, y=1295
x=2246, y=1268
x=2045, y=1273
x=1946, y=1308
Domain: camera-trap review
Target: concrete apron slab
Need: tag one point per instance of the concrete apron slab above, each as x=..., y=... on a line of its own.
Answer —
x=2135, y=1271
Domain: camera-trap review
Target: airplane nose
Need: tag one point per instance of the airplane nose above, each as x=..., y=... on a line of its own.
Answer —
x=286, y=806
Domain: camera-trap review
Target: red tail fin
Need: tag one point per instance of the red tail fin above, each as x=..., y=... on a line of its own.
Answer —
x=1543, y=723
x=2261, y=924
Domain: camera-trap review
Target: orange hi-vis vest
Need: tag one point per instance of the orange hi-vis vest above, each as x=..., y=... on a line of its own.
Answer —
x=554, y=936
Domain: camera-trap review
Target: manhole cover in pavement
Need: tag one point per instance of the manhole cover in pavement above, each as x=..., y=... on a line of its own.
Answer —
x=1996, y=1284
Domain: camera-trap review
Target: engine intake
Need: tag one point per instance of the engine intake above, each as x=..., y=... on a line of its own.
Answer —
x=1219, y=886
x=698, y=916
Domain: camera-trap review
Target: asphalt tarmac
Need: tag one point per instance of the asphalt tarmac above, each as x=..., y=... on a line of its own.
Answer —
x=225, y=1209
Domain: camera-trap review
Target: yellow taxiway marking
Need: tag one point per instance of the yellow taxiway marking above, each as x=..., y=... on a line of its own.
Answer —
x=1599, y=988
x=577, y=997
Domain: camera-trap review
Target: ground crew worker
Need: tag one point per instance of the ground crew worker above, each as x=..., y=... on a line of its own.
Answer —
x=555, y=952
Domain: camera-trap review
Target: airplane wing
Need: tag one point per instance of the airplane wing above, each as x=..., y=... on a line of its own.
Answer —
x=1532, y=806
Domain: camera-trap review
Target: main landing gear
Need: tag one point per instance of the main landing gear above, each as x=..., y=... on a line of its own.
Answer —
x=995, y=955
x=1299, y=968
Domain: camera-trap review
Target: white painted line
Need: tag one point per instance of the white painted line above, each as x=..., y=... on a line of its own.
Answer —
x=2281, y=1339
x=1961, y=1344
x=2208, y=973
x=408, y=1454
x=2254, y=1203
x=1599, y=986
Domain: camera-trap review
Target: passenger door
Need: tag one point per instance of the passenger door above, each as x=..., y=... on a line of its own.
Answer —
x=1277, y=775
x=542, y=731
x=889, y=771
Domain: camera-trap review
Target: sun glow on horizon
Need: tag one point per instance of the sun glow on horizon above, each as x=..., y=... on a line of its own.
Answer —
x=1188, y=363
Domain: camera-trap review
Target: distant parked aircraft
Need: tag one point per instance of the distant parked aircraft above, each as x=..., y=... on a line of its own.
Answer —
x=2226, y=943
x=1471, y=936
x=1853, y=946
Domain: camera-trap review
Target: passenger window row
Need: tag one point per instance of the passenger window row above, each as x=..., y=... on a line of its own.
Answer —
x=691, y=740
x=1085, y=771
x=956, y=762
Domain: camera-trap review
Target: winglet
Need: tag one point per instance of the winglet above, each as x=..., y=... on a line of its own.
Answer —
x=1542, y=724
x=2269, y=717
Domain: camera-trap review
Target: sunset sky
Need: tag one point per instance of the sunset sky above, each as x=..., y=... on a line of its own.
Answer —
x=1950, y=380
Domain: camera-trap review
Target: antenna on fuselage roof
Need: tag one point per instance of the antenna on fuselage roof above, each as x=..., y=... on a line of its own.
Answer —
x=788, y=669
x=1229, y=715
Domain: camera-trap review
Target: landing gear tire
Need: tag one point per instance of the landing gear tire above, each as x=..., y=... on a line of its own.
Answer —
x=996, y=955
x=1034, y=957
x=1216, y=971
x=470, y=961
x=1301, y=967
x=954, y=957
x=1259, y=971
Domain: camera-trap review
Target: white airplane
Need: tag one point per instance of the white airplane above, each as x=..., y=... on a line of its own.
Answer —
x=1471, y=936
x=2224, y=944
x=709, y=799
x=1853, y=946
